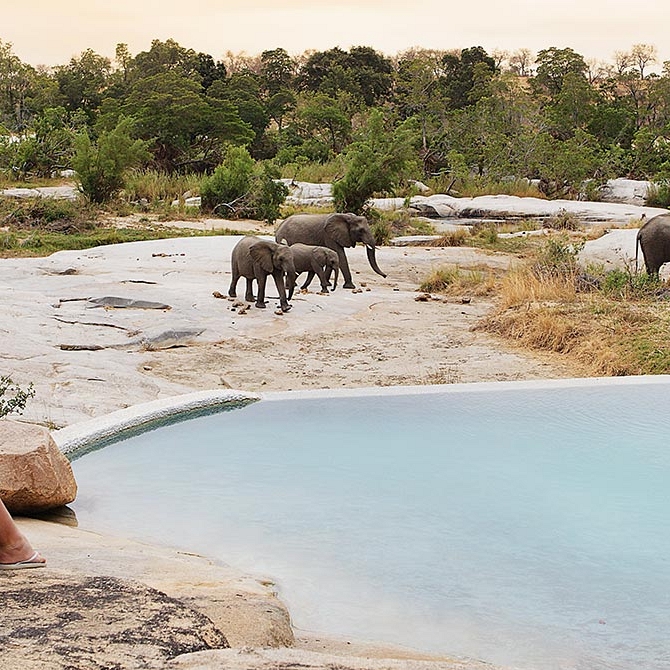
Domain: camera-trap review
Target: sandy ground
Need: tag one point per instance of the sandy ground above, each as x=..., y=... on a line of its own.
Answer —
x=86, y=360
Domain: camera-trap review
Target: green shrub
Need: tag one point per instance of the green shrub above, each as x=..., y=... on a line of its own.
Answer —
x=229, y=183
x=557, y=258
x=381, y=230
x=241, y=188
x=658, y=194
x=626, y=284
x=100, y=167
x=16, y=402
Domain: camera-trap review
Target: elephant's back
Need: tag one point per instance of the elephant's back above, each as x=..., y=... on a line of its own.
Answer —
x=300, y=228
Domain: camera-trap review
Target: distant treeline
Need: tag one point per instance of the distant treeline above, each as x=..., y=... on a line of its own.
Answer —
x=550, y=116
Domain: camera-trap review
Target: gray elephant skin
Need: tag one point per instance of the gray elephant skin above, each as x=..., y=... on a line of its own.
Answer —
x=255, y=258
x=315, y=260
x=654, y=240
x=335, y=231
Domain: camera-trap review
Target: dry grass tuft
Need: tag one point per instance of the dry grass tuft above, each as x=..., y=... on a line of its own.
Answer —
x=455, y=281
x=601, y=334
x=453, y=238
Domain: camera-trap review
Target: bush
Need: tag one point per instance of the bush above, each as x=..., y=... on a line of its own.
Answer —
x=100, y=167
x=557, y=258
x=17, y=401
x=46, y=214
x=564, y=220
x=240, y=188
x=376, y=163
x=658, y=194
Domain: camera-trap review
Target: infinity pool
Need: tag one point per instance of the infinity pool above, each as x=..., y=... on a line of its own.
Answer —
x=524, y=524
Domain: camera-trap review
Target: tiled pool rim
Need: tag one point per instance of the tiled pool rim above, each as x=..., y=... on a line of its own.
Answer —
x=79, y=438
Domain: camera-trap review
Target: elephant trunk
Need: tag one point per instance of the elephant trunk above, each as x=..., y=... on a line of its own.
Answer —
x=290, y=283
x=336, y=271
x=373, y=261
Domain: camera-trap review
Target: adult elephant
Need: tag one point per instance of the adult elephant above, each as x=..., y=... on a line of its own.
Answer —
x=315, y=260
x=334, y=231
x=255, y=258
x=654, y=240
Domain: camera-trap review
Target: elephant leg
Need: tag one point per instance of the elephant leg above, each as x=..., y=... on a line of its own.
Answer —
x=344, y=267
x=308, y=281
x=260, y=298
x=232, y=291
x=281, y=290
x=249, y=295
x=323, y=279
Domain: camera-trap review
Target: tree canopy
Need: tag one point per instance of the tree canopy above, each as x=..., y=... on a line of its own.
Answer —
x=494, y=115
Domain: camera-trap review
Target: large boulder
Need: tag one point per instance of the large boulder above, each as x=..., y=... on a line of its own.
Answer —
x=34, y=474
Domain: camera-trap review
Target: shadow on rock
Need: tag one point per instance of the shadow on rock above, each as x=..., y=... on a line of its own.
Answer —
x=93, y=623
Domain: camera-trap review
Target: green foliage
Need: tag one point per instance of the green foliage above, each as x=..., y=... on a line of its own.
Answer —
x=229, y=183
x=16, y=401
x=100, y=167
x=382, y=231
x=557, y=258
x=241, y=188
x=45, y=149
x=658, y=194
x=625, y=284
x=376, y=163
x=266, y=194
x=45, y=213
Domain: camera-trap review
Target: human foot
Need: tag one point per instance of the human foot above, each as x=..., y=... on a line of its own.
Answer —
x=20, y=557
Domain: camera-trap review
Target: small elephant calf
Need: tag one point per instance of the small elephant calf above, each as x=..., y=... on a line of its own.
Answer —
x=256, y=258
x=315, y=260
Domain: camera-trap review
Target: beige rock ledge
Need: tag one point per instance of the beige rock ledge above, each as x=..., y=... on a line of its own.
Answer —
x=240, y=609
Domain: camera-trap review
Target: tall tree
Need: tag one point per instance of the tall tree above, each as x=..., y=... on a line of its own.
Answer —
x=83, y=81
x=465, y=76
x=553, y=65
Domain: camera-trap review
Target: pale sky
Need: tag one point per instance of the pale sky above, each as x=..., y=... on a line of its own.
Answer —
x=50, y=32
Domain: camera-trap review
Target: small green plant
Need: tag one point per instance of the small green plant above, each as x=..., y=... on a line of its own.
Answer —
x=382, y=231
x=17, y=399
x=626, y=284
x=658, y=194
x=557, y=258
x=487, y=232
x=564, y=220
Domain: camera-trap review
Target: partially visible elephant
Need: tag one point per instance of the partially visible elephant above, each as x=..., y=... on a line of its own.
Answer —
x=334, y=231
x=654, y=240
x=314, y=260
x=255, y=258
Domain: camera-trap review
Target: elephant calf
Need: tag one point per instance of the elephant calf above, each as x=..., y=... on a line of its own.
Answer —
x=315, y=260
x=255, y=258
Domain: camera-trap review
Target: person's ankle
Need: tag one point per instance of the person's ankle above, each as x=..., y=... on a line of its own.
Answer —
x=21, y=550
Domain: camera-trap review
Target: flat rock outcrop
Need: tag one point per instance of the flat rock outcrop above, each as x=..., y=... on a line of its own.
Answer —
x=95, y=622
x=34, y=474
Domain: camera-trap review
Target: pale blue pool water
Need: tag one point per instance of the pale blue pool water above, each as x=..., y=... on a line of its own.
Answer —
x=528, y=527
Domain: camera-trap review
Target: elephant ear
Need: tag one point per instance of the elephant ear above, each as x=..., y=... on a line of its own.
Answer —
x=261, y=253
x=337, y=227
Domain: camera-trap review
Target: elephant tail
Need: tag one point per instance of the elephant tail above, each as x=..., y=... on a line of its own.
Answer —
x=638, y=247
